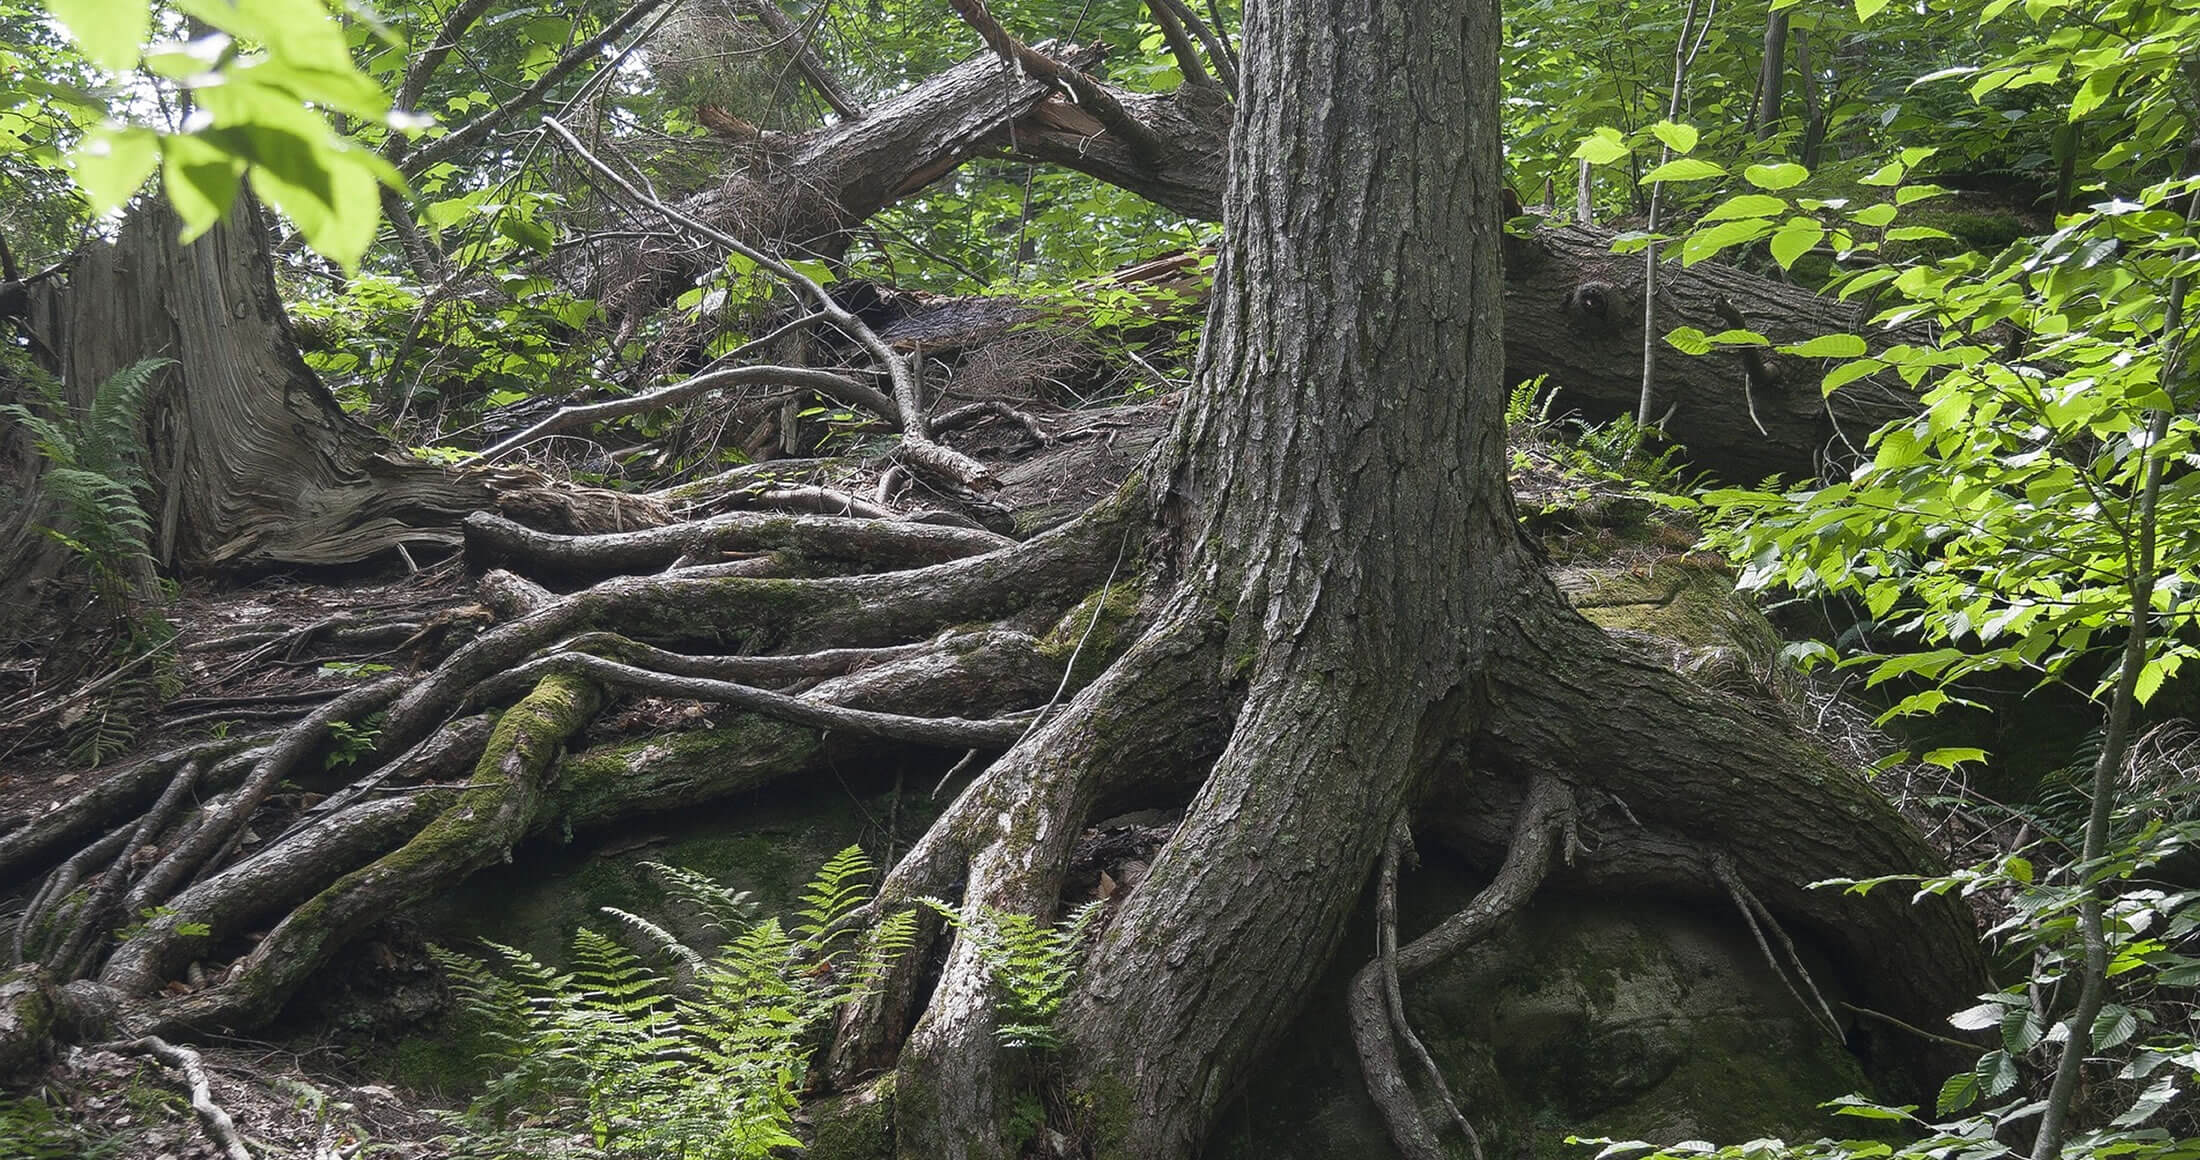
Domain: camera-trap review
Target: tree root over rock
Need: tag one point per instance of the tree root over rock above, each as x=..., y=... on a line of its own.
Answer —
x=928, y=637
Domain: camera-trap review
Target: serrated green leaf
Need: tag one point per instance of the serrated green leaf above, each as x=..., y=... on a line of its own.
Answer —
x=1874, y=215
x=1689, y=340
x=1958, y=1093
x=1683, y=169
x=1602, y=147
x=111, y=165
x=1746, y=205
x=1977, y=1018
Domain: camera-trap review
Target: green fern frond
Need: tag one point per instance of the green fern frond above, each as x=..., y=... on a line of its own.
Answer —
x=838, y=889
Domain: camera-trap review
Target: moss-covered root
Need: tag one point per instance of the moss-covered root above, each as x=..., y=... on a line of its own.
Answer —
x=491, y=814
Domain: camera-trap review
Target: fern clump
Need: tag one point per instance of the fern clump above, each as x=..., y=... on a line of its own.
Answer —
x=93, y=477
x=674, y=1052
x=1033, y=965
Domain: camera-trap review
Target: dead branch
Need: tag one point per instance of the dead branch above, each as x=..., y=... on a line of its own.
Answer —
x=917, y=448
x=476, y=131
x=790, y=40
x=1095, y=98
x=1223, y=61
x=837, y=387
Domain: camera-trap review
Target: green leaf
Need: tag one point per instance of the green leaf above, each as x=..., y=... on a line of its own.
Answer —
x=532, y=234
x=1796, y=238
x=1705, y=243
x=1683, y=169
x=1958, y=1093
x=1602, y=147
x=1828, y=346
x=1689, y=340
x=2113, y=1025
x=110, y=31
x=200, y=180
x=1951, y=756
x=112, y=164
x=1847, y=373
x=2151, y=677
x=1874, y=215
x=1746, y=205
x=1866, y=9
x=1677, y=137
x=1977, y=1018
x=1778, y=176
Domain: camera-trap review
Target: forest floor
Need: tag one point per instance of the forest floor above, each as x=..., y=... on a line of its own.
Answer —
x=267, y=651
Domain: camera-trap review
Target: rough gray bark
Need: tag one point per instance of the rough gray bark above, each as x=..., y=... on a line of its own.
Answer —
x=1339, y=487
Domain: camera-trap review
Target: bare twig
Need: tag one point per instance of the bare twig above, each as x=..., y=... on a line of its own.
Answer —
x=918, y=448
x=474, y=132
x=797, y=48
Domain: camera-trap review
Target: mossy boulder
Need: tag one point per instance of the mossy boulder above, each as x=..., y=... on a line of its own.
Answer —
x=1589, y=1017
x=1689, y=614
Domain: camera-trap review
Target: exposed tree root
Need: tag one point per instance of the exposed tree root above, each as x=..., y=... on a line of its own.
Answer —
x=218, y=1125
x=952, y=732
x=1377, y=1006
x=490, y=816
x=493, y=541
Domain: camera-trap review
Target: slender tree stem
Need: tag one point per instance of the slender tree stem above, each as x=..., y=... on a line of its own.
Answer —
x=2115, y=745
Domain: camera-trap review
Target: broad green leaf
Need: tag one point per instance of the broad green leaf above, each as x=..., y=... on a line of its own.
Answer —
x=1683, y=169
x=1677, y=137
x=1828, y=346
x=1866, y=9
x=1847, y=373
x=2151, y=677
x=200, y=181
x=1977, y=1018
x=1746, y=205
x=1602, y=147
x=110, y=31
x=112, y=164
x=1688, y=340
x=1705, y=243
x=2113, y=1025
x=1951, y=756
x=1874, y=215
x=1777, y=176
x=1958, y=1093
x=1796, y=238
x=2154, y=1099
